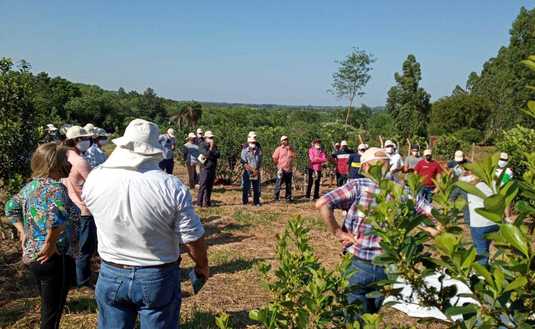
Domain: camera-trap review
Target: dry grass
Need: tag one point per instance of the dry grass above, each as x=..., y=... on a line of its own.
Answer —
x=238, y=237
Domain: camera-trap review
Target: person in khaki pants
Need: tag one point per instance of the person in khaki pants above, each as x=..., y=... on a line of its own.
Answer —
x=190, y=153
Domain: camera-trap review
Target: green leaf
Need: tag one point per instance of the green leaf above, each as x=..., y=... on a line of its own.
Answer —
x=516, y=284
x=529, y=63
x=495, y=203
x=515, y=238
x=471, y=189
x=495, y=217
x=446, y=242
x=469, y=260
x=455, y=310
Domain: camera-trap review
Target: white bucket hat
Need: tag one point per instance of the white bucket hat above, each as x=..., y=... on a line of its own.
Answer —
x=90, y=129
x=77, y=132
x=209, y=134
x=51, y=127
x=140, y=137
x=171, y=132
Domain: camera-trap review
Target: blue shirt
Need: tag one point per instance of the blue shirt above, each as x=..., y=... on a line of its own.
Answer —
x=354, y=166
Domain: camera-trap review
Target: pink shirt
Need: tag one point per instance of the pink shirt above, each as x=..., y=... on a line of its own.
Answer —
x=284, y=157
x=74, y=183
x=316, y=158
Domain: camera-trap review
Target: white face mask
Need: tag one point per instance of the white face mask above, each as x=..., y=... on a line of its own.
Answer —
x=502, y=164
x=389, y=150
x=82, y=146
x=252, y=145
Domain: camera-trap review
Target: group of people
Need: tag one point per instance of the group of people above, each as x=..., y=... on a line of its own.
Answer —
x=139, y=215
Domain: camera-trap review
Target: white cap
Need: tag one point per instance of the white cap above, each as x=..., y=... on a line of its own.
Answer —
x=252, y=134
x=362, y=146
x=171, y=132
x=343, y=143
x=427, y=152
x=389, y=143
x=251, y=139
x=51, y=127
x=76, y=132
x=373, y=154
x=459, y=156
x=141, y=137
x=209, y=134
x=90, y=129
x=284, y=138
x=200, y=131
x=504, y=156
x=191, y=135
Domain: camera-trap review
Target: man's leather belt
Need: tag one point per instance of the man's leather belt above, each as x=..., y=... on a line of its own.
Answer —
x=131, y=267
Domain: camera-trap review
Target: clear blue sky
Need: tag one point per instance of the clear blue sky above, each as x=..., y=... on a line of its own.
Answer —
x=253, y=51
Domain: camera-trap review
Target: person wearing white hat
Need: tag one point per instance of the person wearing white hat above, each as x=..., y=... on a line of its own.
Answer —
x=79, y=141
x=396, y=162
x=63, y=132
x=143, y=215
x=190, y=155
x=354, y=162
x=251, y=160
x=52, y=133
x=283, y=158
x=209, y=154
x=503, y=172
x=168, y=144
x=341, y=158
x=356, y=233
x=95, y=155
x=457, y=167
x=429, y=170
x=90, y=128
x=412, y=159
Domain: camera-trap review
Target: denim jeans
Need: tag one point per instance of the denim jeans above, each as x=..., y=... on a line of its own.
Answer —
x=87, y=239
x=481, y=243
x=316, y=181
x=54, y=278
x=151, y=293
x=286, y=178
x=427, y=193
x=247, y=182
x=363, y=282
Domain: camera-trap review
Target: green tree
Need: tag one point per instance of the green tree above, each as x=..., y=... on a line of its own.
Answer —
x=188, y=115
x=460, y=111
x=352, y=76
x=503, y=79
x=18, y=122
x=407, y=102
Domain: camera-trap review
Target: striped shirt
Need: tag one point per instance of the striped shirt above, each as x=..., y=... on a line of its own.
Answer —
x=356, y=197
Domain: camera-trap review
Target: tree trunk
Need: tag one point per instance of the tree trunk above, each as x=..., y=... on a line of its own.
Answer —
x=349, y=110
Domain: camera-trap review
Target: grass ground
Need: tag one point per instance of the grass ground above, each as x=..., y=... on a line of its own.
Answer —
x=238, y=237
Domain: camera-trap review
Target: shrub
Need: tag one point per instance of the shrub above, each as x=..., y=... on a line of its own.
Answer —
x=446, y=146
x=469, y=135
x=517, y=142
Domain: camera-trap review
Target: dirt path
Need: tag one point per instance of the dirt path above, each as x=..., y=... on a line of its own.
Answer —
x=239, y=238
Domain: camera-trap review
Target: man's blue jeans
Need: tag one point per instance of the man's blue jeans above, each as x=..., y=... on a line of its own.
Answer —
x=247, y=182
x=87, y=239
x=363, y=282
x=427, y=193
x=151, y=293
x=481, y=243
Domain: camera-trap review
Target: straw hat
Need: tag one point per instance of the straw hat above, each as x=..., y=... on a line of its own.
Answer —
x=373, y=154
x=191, y=135
x=77, y=132
x=209, y=134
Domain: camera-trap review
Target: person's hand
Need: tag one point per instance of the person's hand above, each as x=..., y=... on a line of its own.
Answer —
x=345, y=238
x=202, y=271
x=48, y=250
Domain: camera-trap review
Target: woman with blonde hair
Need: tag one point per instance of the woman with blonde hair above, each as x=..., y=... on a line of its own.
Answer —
x=41, y=212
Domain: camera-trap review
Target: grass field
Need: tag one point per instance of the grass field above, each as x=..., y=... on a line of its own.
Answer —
x=238, y=237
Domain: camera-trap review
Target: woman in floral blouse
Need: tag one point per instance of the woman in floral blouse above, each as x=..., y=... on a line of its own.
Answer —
x=42, y=213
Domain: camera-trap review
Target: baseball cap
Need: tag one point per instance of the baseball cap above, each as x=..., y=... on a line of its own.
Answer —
x=362, y=147
x=343, y=143
x=427, y=152
x=191, y=135
x=252, y=134
x=284, y=138
x=373, y=154
x=389, y=143
x=504, y=156
x=459, y=156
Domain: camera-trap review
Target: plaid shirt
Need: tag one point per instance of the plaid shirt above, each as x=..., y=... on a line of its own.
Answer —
x=359, y=194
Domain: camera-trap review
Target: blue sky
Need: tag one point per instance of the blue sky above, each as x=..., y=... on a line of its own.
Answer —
x=280, y=52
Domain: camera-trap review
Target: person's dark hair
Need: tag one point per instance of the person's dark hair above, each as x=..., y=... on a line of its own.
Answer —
x=50, y=159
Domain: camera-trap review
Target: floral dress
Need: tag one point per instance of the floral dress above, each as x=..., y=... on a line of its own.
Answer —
x=44, y=204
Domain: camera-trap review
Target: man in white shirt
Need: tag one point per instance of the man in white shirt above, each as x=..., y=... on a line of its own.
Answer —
x=396, y=162
x=142, y=215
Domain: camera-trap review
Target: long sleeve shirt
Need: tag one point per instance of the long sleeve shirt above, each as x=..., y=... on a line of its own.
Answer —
x=211, y=156
x=75, y=181
x=251, y=157
x=283, y=157
x=316, y=158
